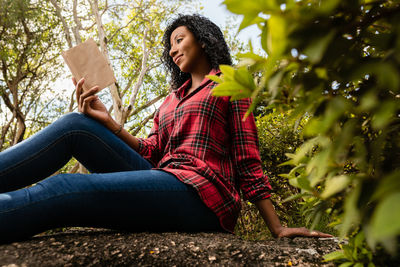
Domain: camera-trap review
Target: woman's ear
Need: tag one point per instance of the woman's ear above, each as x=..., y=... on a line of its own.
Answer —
x=203, y=45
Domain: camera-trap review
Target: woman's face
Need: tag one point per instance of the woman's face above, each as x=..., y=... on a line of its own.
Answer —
x=186, y=51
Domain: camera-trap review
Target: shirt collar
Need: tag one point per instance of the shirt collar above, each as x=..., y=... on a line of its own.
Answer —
x=180, y=91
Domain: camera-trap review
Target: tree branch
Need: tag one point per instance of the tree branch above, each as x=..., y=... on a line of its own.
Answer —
x=143, y=71
x=142, y=124
x=117, y=102
x=120, y=29
x=64, y=23
x=78, y=24
x=148, y=104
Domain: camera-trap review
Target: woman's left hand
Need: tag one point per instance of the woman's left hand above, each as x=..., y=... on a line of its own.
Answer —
x=270, y=217
x=298, y=232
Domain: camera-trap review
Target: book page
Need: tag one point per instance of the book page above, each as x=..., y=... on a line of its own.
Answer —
x=86, y=60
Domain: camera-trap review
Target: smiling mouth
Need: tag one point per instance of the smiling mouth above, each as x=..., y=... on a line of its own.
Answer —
x=177, y=58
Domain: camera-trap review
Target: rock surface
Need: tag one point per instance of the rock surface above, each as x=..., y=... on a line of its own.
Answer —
x=101, y=247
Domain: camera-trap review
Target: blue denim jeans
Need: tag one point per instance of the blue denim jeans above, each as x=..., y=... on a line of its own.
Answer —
x=122, y=191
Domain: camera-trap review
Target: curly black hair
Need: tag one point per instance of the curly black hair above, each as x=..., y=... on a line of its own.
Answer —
x=205, y=32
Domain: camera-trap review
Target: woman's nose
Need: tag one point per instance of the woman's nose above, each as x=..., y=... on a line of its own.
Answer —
x=172, y=51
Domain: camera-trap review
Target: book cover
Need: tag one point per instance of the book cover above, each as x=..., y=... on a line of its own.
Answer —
x=86, y=60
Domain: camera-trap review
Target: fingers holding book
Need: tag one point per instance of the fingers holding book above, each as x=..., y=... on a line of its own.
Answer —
x=89, y=103
x=84, y=98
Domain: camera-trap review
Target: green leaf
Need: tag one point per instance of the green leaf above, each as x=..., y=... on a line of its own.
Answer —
x=316, y=49
x=250, y=55
x=215, y=78
x=327, y=6
x=348, y=252
x=359, y=239
x=251, y=7
x=227, y=71
x=308, y=146
x=244, y=77
x=390, y=244
x=231, y=88
x=387, y=185
x=336, y=255
x=322, y=73
x=294, y=197
x=284, y=175
x=335, y=185
x=355, y=254
x=316, y=216
x=264, y=37
x=250, y=19
x=276, y=37
x=385, y=220
x=351, y=214
x=385, y=114
x=369, y=101
x=386, y=74
x=321, y=125
x=304, y=183
x=346, y=264
x=274, y=82
x=317, y=167
x=294, y=182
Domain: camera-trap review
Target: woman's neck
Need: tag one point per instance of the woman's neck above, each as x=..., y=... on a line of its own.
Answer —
x=198, y=77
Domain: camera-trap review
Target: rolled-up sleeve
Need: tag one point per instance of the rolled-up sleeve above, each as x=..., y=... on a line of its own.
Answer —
x=149, y=147
x=245, y=151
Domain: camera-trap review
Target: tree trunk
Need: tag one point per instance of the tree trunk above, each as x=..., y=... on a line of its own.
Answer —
x=20, y=130
x=117, y=102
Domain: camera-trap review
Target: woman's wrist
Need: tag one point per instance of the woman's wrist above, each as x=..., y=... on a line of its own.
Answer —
x=114, y=126
x=270, y=217
x=116, y=132
x=277, y=230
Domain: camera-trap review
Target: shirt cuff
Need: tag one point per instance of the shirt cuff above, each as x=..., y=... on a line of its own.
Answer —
x=141, y=146
x=260, y=197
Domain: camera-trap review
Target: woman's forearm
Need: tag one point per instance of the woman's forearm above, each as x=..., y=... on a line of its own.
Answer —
x=123, y=134
x=269, y=215
x=129, y=139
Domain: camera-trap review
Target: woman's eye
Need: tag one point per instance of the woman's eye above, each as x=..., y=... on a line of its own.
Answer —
x=178, y=40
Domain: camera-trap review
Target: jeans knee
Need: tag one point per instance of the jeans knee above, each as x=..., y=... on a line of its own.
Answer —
x=60, y=184
x=71, y=117
x=74, y=121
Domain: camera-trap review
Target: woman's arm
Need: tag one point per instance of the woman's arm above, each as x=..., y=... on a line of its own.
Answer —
x=123, y=134
x=270, y=217
x=253, y=183
x=90, y=104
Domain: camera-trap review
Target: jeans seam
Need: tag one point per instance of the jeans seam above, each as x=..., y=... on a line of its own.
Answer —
x=85, y=192
x=89, y=134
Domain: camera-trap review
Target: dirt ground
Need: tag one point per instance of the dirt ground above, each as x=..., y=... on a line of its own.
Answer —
x=101, y=247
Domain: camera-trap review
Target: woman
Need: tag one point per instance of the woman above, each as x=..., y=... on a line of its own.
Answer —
x=185, y=176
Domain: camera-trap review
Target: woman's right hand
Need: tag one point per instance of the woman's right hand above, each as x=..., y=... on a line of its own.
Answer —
x=90, y=104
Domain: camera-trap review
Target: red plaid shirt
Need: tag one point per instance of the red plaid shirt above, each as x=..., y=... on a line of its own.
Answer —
x=202, y=140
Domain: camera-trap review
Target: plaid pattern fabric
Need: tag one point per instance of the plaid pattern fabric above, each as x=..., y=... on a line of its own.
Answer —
x=202, y=140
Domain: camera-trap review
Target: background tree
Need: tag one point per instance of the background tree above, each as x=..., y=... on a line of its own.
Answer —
x=337, y=64
x=129, y=36
x=29, y=47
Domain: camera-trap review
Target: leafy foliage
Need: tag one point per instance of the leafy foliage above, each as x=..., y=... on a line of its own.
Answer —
x=29, y=49
x=353, y=253
x=338, y=63
x=279, y=136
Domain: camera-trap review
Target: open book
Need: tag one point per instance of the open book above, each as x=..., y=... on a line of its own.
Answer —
x=86, y=60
